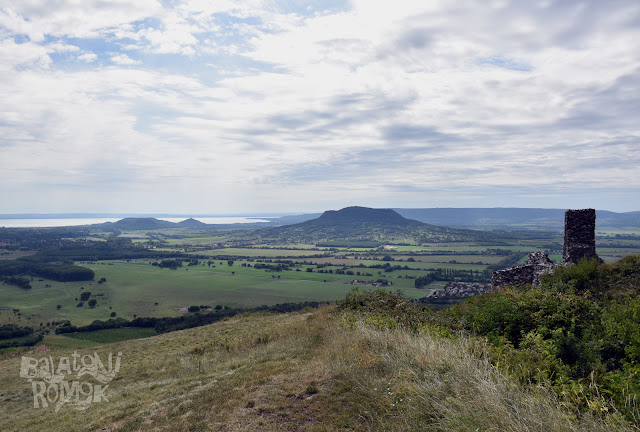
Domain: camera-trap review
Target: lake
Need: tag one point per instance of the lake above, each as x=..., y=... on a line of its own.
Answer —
x=58, y=222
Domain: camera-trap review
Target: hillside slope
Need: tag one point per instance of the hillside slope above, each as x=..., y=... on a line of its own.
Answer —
x=294, y=372
x=362, y=223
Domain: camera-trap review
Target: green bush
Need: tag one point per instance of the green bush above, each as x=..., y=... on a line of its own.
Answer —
x=578, y=333
x=586, y=275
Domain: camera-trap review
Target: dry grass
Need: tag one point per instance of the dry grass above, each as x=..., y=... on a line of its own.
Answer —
x=296, y=372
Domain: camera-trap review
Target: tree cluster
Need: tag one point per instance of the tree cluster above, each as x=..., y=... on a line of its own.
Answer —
x=57, y=272
x=19, y=281
x=165, y=325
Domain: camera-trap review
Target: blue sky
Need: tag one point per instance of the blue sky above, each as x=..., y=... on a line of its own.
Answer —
x=228, y=107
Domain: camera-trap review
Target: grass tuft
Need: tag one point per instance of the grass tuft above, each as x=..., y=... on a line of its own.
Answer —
x=299, y=372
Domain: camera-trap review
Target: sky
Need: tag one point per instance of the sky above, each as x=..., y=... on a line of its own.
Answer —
x=275, y=106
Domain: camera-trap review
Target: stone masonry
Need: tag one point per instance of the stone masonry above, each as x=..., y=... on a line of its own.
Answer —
x=579, y=235
x=525, y=274
x=579, y=242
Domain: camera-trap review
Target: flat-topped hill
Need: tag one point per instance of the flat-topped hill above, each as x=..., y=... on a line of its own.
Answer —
x=359, y=216
x=149, y=223
x=363, y=223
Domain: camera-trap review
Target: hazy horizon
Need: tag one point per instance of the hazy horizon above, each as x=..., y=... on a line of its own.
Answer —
x=195, y=215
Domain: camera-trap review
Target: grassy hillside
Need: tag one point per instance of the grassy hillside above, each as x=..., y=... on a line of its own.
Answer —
x=320, y=370
x=577, y=334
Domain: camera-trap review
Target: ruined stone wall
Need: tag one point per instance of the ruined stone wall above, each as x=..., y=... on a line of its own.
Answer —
x=541, y=265
x=579, y=235
x=526, y=274
x=512, y=276
x=579, y=242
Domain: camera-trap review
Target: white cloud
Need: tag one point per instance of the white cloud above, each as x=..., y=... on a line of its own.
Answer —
x=383, y=102
x=62, y=48
x=26, y=54
x=177, y=41
x=84, y=19
x=123, y=59
x=88, y=57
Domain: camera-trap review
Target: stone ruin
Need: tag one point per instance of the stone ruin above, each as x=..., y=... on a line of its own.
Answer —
x=579, y=235
x=525, y=274
x=579, y=242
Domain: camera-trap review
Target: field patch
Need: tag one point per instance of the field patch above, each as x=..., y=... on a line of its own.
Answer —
x=114, y=335
x=266, y=252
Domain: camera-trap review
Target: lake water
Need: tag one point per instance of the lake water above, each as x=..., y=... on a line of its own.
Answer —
x=58, y=222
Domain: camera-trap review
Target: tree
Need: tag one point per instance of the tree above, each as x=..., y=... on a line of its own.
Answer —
x=92, y=303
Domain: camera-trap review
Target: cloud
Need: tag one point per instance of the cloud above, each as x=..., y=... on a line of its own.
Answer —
x=123, y=59
x=26, y=54
x=268, y=103
x=85, y=19
x=88, y=57
x=62, y=48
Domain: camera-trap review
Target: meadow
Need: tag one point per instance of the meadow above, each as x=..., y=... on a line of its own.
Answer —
x=312, y=371
x=136, y=288
x=319, y=368
x=113, y=335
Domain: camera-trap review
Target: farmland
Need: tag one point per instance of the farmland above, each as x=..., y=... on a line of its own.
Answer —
x=248, y=269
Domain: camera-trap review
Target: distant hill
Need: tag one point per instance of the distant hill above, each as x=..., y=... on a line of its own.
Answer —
x=192, y=223
x=148, y=223
x=617, y=220
x=294, y=219
x=362, y=223
x=360, y=219
x=359, y=216
x=513, y=218
x=496, y=218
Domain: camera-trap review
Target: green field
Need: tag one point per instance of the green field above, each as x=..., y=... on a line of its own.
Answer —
x=135, y=288
x=264, y=252
x=140, y=289
x=454, y=247
x=114, y=335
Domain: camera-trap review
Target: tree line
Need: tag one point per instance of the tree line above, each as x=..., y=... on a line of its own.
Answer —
x=19, y=281
x=453, y=275
x=57, y=272
x=12, y=335
x=169, y=324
